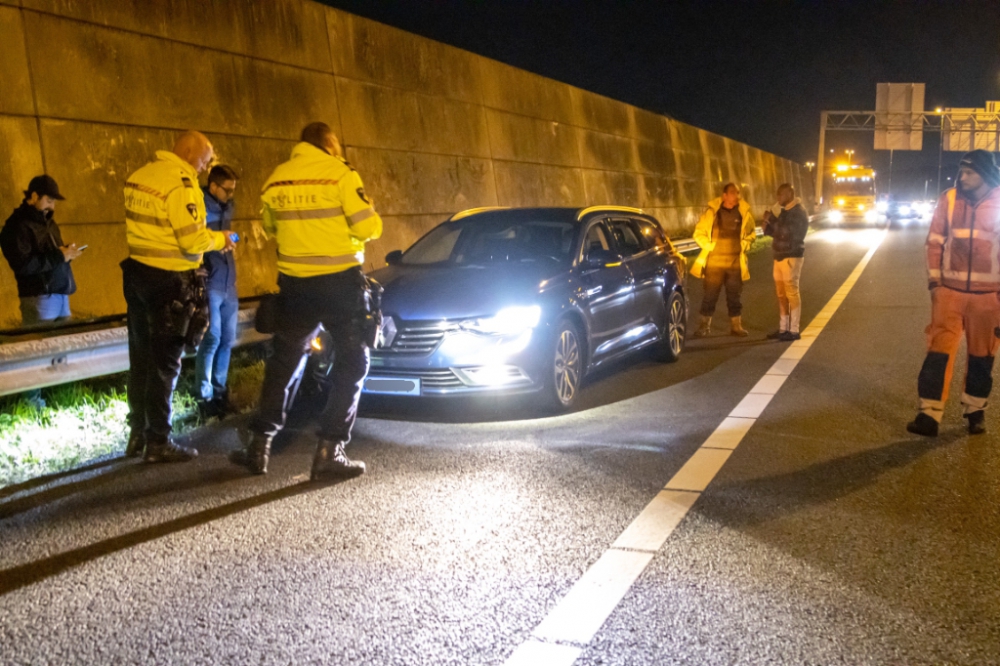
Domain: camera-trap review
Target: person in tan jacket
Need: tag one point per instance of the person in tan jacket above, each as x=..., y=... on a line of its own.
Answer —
x=963, y=264
x=725, y=232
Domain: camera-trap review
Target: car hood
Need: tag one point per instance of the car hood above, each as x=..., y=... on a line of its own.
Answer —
x=416, y=293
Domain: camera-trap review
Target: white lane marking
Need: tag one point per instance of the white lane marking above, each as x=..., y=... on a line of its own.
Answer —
x=751, y=405
x=699, y=470
x=730, y=432
x=657, y=521
x=769, y=384
x=590, y=601
x=587, y=605
x=537, y=653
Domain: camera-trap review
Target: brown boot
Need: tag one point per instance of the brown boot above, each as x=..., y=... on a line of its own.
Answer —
x=736, y=327
x=136, y=444
x=704, y=328
x=331, y=463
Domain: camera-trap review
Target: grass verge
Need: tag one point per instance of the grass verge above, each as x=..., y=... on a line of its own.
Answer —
x=87, y=420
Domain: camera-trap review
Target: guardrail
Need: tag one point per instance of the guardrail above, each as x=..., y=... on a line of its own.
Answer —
x=63, y=358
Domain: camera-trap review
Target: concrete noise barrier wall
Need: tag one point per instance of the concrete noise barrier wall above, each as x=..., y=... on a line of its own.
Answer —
x=89, y=89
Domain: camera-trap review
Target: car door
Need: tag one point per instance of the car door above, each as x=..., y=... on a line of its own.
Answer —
x=605, y=292
x=647, y=267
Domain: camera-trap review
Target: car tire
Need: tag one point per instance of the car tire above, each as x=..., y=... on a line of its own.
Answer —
x=564, y=367
x=671, y=345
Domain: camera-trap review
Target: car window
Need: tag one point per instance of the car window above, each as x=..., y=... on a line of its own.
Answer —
x=596, y=239
x=628, y=241
x=494, y=240
x=651, y=232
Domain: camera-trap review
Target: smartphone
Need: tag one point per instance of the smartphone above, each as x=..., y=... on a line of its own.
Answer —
x=82, y=248
x=235, y=237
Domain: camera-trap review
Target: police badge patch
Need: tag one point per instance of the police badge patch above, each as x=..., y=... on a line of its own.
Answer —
x=193, y=210
x=362, y=196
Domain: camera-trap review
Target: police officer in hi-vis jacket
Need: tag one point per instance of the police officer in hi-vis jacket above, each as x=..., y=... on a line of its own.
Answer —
x=315, y=206
x=166, y=232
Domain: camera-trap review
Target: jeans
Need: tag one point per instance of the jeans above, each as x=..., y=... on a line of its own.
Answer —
x=715, y=278
x=154, y=348
x=786, y=283
x=211, y=367
x=337, y=302
x=39, y=309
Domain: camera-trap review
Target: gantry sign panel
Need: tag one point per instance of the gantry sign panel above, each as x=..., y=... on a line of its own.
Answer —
x=899, y=109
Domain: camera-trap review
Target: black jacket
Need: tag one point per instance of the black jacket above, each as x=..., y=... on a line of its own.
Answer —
x=789, y=232
x=30, y=241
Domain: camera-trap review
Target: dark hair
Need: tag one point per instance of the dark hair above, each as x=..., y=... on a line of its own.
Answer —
x=220, y=173
x=786, y=186
x=729, y=186
x=316, y=134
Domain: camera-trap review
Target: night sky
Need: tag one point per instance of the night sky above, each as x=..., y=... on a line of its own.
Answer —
x=759, y=72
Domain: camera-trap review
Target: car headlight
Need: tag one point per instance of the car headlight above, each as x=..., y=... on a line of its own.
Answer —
x=905, y=210
x=871, y=216
x=836, y=216
x=509, y=321
x=882, y=206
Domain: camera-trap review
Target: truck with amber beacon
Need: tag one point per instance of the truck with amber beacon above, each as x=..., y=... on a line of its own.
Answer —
x=852, y=199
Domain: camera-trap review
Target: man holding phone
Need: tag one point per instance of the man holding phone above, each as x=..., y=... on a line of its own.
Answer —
x=212, y=362
x=33, y=246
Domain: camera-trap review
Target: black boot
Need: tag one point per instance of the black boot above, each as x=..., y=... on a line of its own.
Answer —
x=255, y=455
x=166, y=451
x=923, y=425
x=136, y=443
x=331, y=463
x=977, y=422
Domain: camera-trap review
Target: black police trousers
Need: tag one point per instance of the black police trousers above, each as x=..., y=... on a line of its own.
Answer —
x=154, y=350
x=338, y=302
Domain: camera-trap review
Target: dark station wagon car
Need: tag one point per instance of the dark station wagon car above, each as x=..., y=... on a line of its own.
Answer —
x=517, y=300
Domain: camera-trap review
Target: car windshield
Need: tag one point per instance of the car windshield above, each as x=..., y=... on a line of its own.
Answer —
x=494, y=241
x=854, y=187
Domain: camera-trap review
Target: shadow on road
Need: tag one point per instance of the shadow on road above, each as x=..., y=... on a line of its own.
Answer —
x=756, y=501
x=33, y=572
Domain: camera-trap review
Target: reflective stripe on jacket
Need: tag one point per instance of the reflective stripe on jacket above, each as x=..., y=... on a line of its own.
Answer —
x=316, y=207
x=703, y=236
x=165, y=215
x=963, y=244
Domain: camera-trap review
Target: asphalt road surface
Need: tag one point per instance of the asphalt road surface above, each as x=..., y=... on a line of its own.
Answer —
x=827, y=536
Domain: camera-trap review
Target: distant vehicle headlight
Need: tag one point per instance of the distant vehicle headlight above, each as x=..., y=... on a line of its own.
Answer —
x=871, y=216
x=923, y=208
x=840, y=202
x=882, y=206
x=905, y=210
x=509, y=321
x=836, y=216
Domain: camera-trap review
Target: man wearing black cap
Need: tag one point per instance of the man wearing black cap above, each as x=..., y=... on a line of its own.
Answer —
x=33, y=247
x=963, y=263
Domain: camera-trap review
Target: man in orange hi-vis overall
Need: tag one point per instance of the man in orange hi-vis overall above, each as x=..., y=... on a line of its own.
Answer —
x=963, y=262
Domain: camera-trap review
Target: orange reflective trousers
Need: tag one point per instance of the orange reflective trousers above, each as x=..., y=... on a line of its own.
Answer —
x=953, y=312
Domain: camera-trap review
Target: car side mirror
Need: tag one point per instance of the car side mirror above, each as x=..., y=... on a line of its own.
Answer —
x=599, y=258
x=394, y=258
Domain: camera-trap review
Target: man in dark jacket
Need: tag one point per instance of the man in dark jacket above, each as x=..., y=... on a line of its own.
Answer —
x=33, y=246
x=788, y=229
x=212, y=362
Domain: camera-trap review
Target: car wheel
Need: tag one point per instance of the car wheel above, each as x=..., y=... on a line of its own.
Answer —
x=565, y=367
x=675, y=332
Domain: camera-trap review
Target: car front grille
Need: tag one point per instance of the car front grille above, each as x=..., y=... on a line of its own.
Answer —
x=430, y=378
x=417, y=338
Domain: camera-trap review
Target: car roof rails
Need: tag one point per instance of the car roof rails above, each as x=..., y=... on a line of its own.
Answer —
x=475, y=211
x=621, y=209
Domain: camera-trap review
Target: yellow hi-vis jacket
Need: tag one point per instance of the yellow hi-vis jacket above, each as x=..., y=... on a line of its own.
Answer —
x=315, y=205
x=703, y=232
x=165, y=215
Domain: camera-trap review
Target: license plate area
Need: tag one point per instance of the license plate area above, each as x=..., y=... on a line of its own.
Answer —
x=392, y=385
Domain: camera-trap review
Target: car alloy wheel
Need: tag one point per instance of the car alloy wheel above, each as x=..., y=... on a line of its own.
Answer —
x=675, y=331
x=567, y=367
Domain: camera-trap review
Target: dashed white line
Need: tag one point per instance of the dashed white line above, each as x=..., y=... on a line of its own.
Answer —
x=569, y=627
